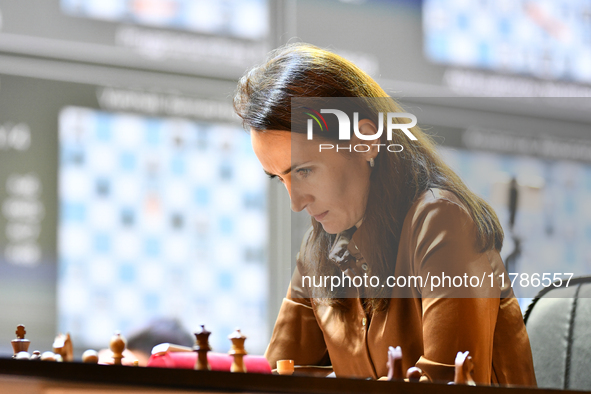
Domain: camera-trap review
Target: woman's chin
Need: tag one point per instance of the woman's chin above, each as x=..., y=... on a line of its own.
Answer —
x=331, y=228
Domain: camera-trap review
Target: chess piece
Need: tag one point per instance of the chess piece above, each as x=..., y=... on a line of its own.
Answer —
x=48, y=356
x=90, y=356
x=22, y=356
x=62, y=345
x=36, y=355
x=117, y=346
x=414, y=374
x=237, y=351
x=202, y=347
x=464, y=367
x=20, y=344
x=395, y=363
x=285, y=367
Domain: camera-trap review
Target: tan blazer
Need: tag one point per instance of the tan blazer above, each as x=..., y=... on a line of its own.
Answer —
x=438, y=234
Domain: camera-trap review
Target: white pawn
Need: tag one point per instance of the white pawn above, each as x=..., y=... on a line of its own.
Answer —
x=48, y=356
x=237, y=351
x=90, y=356
x=117, y=346
x=22, y=356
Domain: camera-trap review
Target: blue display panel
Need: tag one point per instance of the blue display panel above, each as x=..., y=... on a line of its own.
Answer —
x=208, y=38
x=543, y=38
x=238, y=18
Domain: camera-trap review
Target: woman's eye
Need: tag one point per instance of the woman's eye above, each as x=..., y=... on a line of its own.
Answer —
x=303, y=172
x=276, y=178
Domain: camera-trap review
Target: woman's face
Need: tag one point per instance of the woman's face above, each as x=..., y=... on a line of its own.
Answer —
x=331, y=186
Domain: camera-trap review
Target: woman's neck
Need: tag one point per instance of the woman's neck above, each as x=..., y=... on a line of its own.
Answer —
x=359, y=223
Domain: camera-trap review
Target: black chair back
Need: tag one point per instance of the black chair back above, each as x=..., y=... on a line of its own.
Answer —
x=558, y=322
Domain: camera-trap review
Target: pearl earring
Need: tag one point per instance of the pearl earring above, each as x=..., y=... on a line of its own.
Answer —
x=372, y=162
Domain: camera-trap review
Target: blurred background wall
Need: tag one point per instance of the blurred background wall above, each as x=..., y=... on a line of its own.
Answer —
x=129, y=191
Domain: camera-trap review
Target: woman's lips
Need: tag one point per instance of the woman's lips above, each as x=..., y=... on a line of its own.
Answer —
x=320, y=217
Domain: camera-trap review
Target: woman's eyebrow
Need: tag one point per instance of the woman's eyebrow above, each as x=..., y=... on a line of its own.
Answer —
x=270, y=174
x=284, y=172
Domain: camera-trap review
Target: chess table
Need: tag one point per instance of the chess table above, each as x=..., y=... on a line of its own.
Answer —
x=39, y=377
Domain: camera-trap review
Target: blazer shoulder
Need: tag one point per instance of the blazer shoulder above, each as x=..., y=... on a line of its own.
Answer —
x=435, y=195
x=437, y=203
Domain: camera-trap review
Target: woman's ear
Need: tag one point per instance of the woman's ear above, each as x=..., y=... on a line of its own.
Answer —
x=367, y=128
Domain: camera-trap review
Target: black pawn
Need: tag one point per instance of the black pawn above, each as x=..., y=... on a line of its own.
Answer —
x=202, y=347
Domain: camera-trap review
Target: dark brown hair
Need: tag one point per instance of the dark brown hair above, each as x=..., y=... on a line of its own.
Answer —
x=263, y=101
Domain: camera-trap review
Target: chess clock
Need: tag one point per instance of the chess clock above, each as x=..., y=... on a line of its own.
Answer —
x=548, y=39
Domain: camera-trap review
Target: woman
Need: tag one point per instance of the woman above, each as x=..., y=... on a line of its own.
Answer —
x=383, y=213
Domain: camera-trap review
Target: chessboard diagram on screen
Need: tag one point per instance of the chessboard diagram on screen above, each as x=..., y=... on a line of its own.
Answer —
x=543, y=38
x=159, y=217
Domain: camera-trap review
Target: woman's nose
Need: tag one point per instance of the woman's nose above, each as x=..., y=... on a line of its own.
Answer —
x=298, y=199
